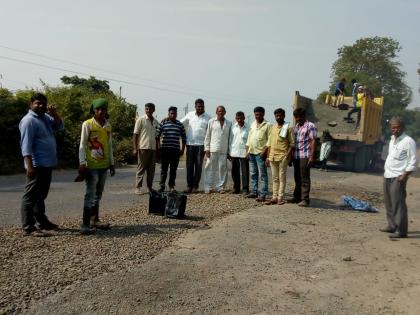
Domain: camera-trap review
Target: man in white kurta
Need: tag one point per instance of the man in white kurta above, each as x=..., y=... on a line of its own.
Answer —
x=216, y=147
x=400, y=163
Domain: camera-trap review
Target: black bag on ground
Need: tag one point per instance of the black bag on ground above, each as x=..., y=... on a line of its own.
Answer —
x=157, y=203
x=175, y=205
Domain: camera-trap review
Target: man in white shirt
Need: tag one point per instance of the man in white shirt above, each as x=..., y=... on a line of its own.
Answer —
x=196, y=125
x=400, y=163
x=238, y=154
x=216, y=146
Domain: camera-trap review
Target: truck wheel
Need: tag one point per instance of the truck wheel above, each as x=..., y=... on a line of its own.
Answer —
x=361, y=159
x=349, y=161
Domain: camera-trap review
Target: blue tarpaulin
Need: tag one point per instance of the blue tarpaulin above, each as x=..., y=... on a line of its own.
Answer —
x=357, y=204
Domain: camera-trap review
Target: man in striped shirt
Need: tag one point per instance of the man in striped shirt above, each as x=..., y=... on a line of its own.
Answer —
x=170, y=132
x=303, y=157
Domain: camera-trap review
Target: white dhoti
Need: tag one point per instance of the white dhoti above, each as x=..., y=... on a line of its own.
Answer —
x=325, y=150
x=215, y=172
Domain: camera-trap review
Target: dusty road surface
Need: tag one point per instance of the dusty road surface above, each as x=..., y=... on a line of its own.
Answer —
x=235, y=258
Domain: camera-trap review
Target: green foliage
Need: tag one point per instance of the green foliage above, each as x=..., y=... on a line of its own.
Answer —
x=12, y=109
x=373, y=62
x=322, y=96
x=123, y=151
x=91, y=84
x=73, y=104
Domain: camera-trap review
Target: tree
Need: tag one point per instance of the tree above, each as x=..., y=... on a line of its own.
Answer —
x=91, y=84
x=73, y=103
x=373, y=62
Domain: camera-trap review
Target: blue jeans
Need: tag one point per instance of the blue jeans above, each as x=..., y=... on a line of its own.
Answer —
x=258, y=170
x=95, y=183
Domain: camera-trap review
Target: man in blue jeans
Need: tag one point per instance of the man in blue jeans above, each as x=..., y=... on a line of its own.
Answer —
x=257, y=153
x=95, y=158
x=40, y=156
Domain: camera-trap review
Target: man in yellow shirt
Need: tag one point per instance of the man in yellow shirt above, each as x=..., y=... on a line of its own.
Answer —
x=257, y=153
x=280, y=143
x=144, y=147
x=95, y=159
x=358, y=109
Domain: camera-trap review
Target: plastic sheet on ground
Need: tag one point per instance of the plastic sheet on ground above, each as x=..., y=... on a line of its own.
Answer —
x=357, y=204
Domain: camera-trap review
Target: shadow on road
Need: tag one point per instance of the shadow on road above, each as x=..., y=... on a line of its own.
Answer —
x=323, y=204
x=121, y=231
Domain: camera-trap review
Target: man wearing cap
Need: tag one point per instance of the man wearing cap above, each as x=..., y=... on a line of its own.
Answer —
x=95, y=158
x=39, y=153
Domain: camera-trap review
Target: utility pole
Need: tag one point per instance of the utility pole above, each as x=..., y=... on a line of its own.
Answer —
x=120, y=91
x=186, y=110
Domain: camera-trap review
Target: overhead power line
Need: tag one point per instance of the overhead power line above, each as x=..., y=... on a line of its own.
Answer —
x=220, y=95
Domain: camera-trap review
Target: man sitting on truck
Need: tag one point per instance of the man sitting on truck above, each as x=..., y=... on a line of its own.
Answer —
x=358, y=108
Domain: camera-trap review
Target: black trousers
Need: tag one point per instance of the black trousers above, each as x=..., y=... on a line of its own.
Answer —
x=396, y=208
x=195, y=157
x=240, y=170
x=36, y=191
x=169, y=159
x=302, y=179
x=357, y=110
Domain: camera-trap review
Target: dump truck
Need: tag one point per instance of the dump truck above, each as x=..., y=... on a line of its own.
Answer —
x=354, y=147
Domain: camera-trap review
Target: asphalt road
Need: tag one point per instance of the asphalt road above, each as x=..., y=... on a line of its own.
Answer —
x=65, y=198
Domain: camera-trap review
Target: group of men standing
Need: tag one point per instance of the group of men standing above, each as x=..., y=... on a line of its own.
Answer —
x=251, y=149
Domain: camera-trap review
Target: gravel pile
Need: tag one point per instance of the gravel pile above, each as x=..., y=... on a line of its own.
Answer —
x=32, y=268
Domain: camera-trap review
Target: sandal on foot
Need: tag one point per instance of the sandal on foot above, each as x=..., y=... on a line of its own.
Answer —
x=271, y=202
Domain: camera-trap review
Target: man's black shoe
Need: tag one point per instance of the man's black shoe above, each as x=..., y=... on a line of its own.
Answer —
x=34, y=232
x=293, y=200
x=260, y=199
x=252, y=195
x=397, y=235
x=48, y=226
x=387, y=230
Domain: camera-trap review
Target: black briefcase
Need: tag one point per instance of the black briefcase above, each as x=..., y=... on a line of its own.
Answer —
x=157, y=203
x=175, y=205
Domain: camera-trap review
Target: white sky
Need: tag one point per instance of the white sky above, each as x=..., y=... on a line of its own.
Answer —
x=239, y=53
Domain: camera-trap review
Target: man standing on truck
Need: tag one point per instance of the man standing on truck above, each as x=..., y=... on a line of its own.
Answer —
x=358, y=108
x=303, y=157
x=339, y=92
x=400, y=163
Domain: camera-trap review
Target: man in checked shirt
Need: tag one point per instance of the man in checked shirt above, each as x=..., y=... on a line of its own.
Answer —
x=303, y=157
